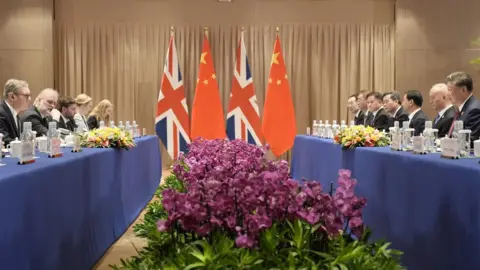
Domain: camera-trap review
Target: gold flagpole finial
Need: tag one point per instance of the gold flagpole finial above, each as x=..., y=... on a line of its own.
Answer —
x=242, y=28
x=172, y=30
x=205, y=28
x=277, y=30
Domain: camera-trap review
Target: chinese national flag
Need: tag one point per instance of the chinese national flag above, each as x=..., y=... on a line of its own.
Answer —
x=207, y=112
x=278, y=126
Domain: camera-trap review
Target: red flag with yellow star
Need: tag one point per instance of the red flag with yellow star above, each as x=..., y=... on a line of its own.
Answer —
x=207, y=112
x=278, y=125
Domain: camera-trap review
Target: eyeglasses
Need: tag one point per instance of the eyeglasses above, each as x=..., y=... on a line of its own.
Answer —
x=27, y=96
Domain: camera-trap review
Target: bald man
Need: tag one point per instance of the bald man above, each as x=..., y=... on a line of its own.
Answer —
x=40, y=113
x=441, y=103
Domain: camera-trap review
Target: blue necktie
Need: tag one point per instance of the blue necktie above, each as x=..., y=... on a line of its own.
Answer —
x=436, y=119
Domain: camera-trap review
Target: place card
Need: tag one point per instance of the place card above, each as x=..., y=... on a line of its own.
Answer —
x=26, y=153
x=54, y=148
x=449, y=148
x=396, y=142
x=76, y=144
x=419, y=145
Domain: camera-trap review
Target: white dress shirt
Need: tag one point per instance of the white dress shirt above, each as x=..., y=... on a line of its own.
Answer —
x=410, y=116
x=442, y=112
x=463, y=104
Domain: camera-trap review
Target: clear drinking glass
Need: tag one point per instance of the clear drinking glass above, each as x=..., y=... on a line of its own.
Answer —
x=464, y=142
x=308, y=131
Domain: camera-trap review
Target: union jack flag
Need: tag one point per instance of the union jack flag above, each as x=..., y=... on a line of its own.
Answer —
x=172, y=122
x=243, y=118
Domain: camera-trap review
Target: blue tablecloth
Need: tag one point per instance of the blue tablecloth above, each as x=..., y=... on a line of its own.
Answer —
x=427, y=206
x=64, y=213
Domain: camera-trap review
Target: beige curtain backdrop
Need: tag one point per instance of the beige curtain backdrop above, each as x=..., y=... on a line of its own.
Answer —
x=326, y=62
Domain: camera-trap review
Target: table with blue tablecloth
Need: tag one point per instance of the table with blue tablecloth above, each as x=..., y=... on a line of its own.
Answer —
x=427, y=206
x=64, y=213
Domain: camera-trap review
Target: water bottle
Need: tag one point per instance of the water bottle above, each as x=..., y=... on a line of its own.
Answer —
x=135, y=129
x=128, y=128
x=52, y=133
x=120, y=125
x=112, y=124
x=102, y=124
x=315, y=128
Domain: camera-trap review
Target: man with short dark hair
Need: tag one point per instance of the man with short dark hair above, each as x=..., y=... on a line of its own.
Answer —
x=412, y=103
x=379, y=118
x=460, y=86
x=352, y=106
x=362, y=105
x=393, y=105
x=68, y=109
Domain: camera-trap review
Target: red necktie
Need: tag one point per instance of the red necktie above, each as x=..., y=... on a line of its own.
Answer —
x=457, y=114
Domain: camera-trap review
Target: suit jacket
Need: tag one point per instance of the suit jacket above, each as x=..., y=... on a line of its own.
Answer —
x=92, y=122
x=70, y=125
x=418, y=122
x=445, y=122
x=381, y=120
x=39, y=123
x=399, y=116
x=7, y=124
x=360, y=119
x=81, y=122
x=470, y=115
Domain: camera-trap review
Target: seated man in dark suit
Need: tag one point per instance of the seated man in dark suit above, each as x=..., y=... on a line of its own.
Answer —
x=68, y=109
x=393, y=105
x=379, y=118
x=440, y=101
x=412, y=103
x=359, y=115
x=460, y=86
x=362, y=106
x=39, y=113
x=16, y=95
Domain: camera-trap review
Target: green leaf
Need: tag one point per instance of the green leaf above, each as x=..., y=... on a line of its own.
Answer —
x=194, y=265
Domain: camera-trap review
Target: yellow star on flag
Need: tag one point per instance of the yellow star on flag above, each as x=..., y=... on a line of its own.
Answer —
x=202, y=58
x=279, y=82
x=214, y=76
x=286, y=77
x=274, y=58
x=269, y=80
x=205, y=82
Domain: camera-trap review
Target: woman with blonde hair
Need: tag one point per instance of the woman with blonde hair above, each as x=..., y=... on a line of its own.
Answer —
x=102, y=112
x=84, y=106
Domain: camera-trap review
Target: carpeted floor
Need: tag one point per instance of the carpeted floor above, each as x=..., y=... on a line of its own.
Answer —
x=125, y=245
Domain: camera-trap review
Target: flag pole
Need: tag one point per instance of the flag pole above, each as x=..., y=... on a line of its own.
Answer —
x=277, y=30
x=242, y=30
x=172, y=30
x=205, y=29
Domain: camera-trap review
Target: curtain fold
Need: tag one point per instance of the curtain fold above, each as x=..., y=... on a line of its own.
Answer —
x=123, y=62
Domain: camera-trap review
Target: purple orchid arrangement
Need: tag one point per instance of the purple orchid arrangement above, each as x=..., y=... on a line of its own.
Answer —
x=232, y=187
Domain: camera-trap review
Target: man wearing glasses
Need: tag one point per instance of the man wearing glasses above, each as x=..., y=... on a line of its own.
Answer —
x=16, y=96
x=40, y=113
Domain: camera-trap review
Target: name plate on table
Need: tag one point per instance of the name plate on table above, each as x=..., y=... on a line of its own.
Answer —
x=450, y=148
x=396, y=142
x=54, y=148
x=26, y=153
x=76, y=144
x=418, y=145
